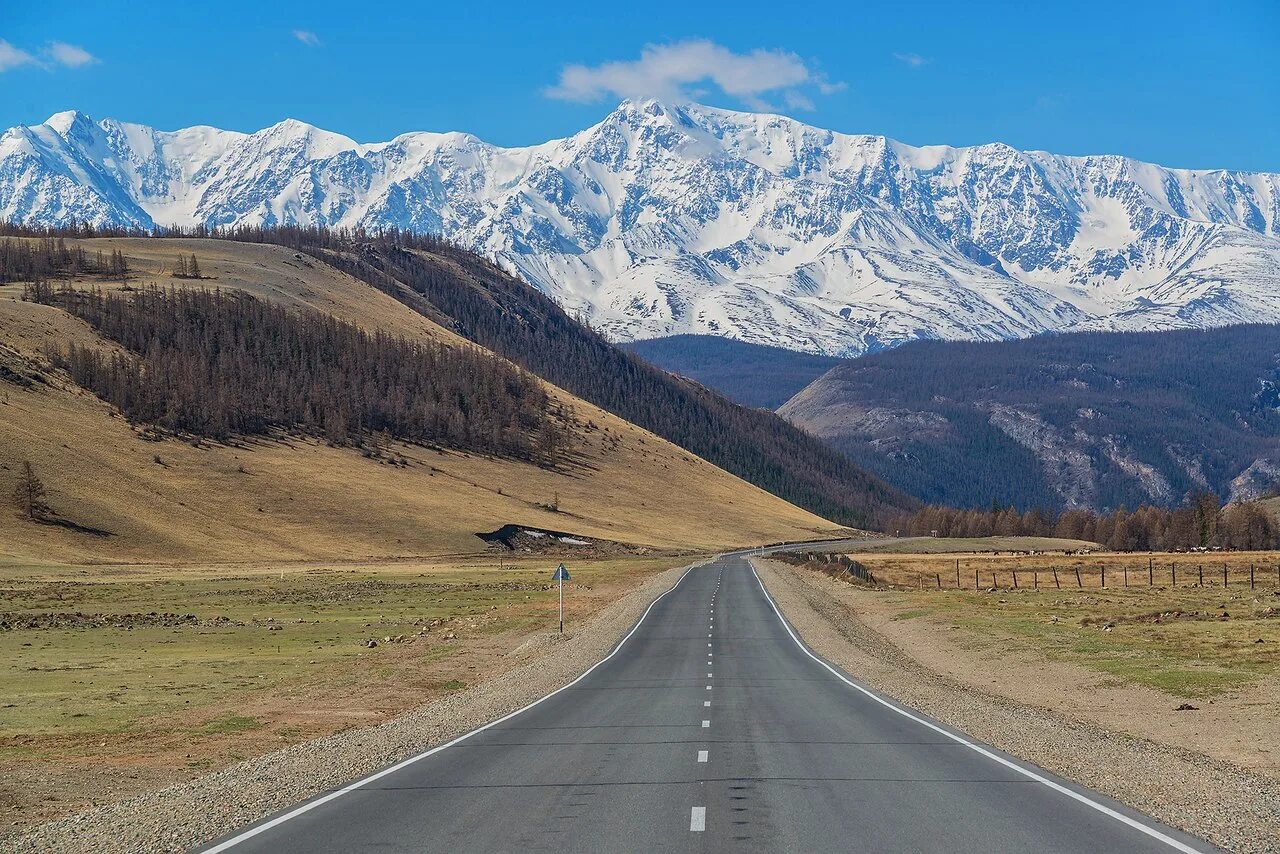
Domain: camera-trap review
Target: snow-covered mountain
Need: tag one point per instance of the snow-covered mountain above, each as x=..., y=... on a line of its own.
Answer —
x=665, y=219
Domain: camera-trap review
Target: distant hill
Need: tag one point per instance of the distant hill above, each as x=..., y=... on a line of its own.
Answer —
x=1081, y=420
x=752, y=374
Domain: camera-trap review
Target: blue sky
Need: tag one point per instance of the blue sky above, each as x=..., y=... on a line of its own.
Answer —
x=1181, y=84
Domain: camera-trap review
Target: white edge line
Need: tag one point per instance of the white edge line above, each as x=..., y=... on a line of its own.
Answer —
x=351, y=787
x=977, y=748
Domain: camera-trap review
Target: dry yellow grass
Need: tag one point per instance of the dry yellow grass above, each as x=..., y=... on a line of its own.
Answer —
x=107, y=693
x=1129, y=569
x=302, y=500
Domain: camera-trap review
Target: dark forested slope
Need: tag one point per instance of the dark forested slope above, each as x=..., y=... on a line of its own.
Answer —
x=1081, y=420
x=751, y=374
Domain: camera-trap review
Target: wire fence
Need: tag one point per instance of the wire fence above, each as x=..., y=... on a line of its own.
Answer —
x=1035, y=573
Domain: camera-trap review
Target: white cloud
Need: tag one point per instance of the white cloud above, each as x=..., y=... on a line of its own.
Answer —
x=681, y=70
x=915, y=60
x=307, y=37
x=70, y=55
x=13, y=57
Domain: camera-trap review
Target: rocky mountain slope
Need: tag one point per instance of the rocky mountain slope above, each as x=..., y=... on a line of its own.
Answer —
x=1091, y=420
x=667, y=219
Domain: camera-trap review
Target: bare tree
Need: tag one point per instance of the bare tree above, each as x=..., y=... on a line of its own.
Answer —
x=29, y=494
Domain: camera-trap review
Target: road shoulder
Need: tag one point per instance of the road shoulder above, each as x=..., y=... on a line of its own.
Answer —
x=1215, y=800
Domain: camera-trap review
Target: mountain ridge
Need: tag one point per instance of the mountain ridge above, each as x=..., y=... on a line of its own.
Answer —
x=1095, y=420
x=667, y=219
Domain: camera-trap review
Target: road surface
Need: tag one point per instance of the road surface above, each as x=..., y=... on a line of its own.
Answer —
x=711, y=728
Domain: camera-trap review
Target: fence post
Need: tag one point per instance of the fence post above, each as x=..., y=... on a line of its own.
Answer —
x=993, y=581
x=1201, y=566
x=1173, y=570
x=938, y=578
x=1151, y=573
x=1224, y=576
x=1103, y=567
x=977, y=585
x=1125, y=568
x=1250, y=576
x=1078, y=584
x=1035, y=579
x=957, y=573
x=1015, y=579
x=1055, y=578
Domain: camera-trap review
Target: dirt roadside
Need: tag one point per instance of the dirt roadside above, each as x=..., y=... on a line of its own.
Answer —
x=181, y=816
x=1220, y=801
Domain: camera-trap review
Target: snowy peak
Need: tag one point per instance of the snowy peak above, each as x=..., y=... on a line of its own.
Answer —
x=676, y=217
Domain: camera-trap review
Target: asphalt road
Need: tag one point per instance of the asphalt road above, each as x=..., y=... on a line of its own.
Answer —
x=712, y=728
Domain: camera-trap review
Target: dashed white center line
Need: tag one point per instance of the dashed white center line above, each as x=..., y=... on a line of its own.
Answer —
x=708, y=675
x=702, y=756
x=706, y=702
x=708, y=687
x=706, y=724
x=698, y=819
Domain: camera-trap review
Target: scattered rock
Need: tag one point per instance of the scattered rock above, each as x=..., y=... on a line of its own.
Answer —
x=1186, y=707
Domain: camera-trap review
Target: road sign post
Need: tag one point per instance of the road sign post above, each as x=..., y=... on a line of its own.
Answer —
x=562, y=575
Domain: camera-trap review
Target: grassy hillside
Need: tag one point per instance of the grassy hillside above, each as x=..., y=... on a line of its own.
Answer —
x=502, y=313
x=752, y=374
x=297, y=498
x=1086, y=420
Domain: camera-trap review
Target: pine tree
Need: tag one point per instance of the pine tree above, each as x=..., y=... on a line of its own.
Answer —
x=194, y=267
x=180, y=269
x=29, y=494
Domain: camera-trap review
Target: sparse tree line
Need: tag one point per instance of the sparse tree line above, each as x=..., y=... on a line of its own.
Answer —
x=185, y=268
x=1202, y=521
x=218, y=364
x=40, y=260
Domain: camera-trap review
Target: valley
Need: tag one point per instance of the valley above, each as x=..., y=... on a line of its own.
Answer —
x=478, y=429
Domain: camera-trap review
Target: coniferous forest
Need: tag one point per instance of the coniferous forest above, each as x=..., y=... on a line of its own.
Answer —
x=218, y=364
x=506, y=315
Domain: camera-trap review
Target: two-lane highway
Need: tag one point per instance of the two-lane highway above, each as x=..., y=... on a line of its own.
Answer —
x=711, y=727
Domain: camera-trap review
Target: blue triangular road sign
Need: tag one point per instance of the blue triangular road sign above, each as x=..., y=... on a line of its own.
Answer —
x=561, y=573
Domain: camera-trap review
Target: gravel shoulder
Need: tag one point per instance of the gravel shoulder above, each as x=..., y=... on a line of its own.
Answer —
x=1230, y=806
x=182, y=816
